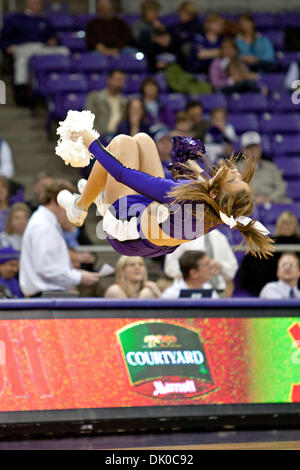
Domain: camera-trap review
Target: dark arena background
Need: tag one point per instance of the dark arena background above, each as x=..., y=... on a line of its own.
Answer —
x=80, y=370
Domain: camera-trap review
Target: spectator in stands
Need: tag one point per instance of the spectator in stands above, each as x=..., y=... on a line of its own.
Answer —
x=144, y=28
x=131, y=280
x=74, y=238
x=268, y=184
x=156, y=111
x=223, y=261
x=162, y=51
x=228, y=74
x=135, y=119
x=195, y=110
x=254, y=272
x=6, y=160
x=196, y=270
x=183, y=124
x=26, y=34
x=108, y=33
x=184, y=31
x=255, y=49
x=207, y=46
x=9, y=268
x=242, y=81
x=4, y=202
x=45, y=263
x=220, y=136
x=108, y=105
x=16, y=223
x=288, y=274
x=40, y=182
x=164, y=145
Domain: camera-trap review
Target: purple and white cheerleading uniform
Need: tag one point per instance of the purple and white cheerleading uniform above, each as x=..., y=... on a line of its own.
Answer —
x=187, y=225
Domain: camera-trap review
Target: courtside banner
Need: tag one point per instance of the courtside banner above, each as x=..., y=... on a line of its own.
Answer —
x=80, y=363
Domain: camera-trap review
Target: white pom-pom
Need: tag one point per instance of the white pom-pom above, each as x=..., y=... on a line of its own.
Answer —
x=75, y=153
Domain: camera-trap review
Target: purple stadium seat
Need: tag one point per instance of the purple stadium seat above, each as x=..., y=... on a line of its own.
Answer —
x=269, y=213
x=80, y=21
x=73, y=40
x=62, y=21
x=264, y=21
x=174, y=101
x=289, y=18
x=290, y=166
x=276, y=37
x=293, y=190
x=42, y=66
x=169, y=19
x=130, y=18
x=210, y=102
x=282, y=102
x=129, y=63
x=162, y=81
x=247, y=102
x=243, y=122
x=285, y=123
x=96, y=81
x=66, y=83
x=285, y=58
x=133, y=83
x=285, y=145
x=90, y=62
x=50, y=63
x=60, y=105
x=274, y=81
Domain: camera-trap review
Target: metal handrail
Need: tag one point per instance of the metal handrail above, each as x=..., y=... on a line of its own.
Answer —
x=108, y=248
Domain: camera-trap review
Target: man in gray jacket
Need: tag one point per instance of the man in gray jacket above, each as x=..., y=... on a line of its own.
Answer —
x=108, y=105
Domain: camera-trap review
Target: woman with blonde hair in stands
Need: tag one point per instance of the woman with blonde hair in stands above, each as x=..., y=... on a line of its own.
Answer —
x=131, y=280
x=145, y=214
x=16, y=223
x=287, y=225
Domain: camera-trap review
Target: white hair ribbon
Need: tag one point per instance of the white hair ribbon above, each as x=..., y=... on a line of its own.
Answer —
x=232, y=222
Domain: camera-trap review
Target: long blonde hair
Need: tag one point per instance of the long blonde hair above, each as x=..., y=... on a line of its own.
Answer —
x=240, y=203
x=287, y=216
x=120, y=277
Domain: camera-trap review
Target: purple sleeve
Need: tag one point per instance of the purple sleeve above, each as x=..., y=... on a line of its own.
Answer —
x=145, y=184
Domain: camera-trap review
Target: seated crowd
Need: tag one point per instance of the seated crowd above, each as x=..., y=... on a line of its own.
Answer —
x=214, y=55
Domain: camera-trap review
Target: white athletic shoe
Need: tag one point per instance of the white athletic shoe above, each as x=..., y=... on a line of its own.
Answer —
x=67, y=200
x=99, y=201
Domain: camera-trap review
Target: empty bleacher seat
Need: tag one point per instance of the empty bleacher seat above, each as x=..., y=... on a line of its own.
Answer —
x=285, y=145
x=90, y=62
x=129, y=63
x=269, y=213
x=174, y=101
x=293, y=189
x=290, y=166
x=274, y=81
x=62, y=21
x=285, y=123
x=73, y=40
x=61, y=104
x=210, y=102
x=247, y=102
x=243, y=122
x=96, y=81
x=66, y=83
x=282, y=102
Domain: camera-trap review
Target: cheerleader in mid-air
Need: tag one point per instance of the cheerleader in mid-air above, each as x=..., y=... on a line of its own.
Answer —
x=145, y=214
